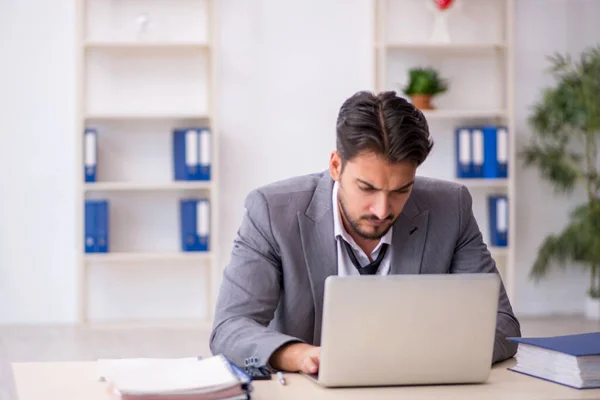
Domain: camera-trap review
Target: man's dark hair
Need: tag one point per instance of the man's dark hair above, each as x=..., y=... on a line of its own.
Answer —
x=385, y=124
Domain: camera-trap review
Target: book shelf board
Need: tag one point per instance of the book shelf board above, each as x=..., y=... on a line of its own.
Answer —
x=147, y=186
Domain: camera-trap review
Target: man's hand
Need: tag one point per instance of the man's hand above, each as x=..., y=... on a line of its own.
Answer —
x=297, y=357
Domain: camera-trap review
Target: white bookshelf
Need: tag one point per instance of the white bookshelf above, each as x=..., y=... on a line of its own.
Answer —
x=144, y=69
x=479, y=63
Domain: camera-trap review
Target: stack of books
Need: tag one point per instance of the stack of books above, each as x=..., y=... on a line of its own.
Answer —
x=213, y=378
x=572, y=360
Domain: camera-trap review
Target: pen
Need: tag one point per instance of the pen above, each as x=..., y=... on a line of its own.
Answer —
x=280, y=377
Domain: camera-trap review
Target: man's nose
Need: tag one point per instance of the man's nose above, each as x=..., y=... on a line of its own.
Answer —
x=381, y=207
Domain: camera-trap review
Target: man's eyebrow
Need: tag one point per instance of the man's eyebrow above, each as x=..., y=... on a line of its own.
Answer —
x=395, y=190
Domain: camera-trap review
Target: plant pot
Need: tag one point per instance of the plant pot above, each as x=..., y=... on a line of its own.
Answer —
x=422, y=101
x=592, y=308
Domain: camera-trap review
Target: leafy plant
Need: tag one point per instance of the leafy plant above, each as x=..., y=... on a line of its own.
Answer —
x=566, y=124
x=425, y=81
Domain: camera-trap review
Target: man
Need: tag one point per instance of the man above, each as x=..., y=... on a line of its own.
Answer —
x=368, y=214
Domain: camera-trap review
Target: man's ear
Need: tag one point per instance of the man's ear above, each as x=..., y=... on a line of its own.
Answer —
x=335, y=166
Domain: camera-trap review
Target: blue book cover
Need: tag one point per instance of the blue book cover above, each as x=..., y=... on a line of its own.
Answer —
x=90, y=154
x=578, y=345
x=195, y=224
x=496, y=152
x=205, y=155
x=185, y=154
x=463, y=148
x=498, y=220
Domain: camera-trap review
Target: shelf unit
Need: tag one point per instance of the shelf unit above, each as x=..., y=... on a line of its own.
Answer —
x=479, y=63
x=144, y=69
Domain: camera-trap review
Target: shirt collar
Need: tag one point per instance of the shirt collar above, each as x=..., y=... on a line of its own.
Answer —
x=338, y=226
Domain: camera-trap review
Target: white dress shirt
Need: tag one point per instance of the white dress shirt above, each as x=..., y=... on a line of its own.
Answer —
x=345, y=266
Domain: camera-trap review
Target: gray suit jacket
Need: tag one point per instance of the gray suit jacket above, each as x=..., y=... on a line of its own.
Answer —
x=272, y=290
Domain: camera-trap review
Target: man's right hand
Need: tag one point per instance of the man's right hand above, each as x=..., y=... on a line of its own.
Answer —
x=297, y=357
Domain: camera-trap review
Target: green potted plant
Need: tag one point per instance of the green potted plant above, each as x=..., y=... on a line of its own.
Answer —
x=424, y=83
x=566, y=125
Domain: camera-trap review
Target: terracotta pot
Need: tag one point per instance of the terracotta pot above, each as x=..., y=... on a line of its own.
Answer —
x=422, y=101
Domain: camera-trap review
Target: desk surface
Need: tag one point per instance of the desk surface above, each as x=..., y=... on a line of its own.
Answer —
x=77, y=380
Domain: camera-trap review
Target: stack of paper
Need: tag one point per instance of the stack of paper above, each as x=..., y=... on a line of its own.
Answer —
x=186, y=378
x=572, y=360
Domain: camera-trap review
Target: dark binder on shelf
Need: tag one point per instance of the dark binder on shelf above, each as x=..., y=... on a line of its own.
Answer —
x=90, y=226
x=204, y=159
x=195, y=224
x=90, y=154
x=192, y=153
x=96, y=226
x=498, y=220
x=464, y=158
x=496, y=152
x=570, y=360
x=102, y=226
x=185, y=154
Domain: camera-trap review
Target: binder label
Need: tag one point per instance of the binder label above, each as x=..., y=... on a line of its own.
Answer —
x=502, y=149
x=502, y=215
x=203, y=218
x=191, y=148
x=205, y=147
x=90, y=149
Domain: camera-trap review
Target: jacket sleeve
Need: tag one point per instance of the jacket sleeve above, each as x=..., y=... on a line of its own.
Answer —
x=249, y=291
x=471, y=255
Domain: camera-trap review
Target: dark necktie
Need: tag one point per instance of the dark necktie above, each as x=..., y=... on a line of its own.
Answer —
x=370, y=269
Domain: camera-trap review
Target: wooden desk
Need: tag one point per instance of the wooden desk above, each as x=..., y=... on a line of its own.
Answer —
x=77, y=381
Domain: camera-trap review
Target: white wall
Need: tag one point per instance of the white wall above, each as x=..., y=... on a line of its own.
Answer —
x=281, y=84
x=37, y=271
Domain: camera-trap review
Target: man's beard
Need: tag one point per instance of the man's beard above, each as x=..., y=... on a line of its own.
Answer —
x=356, y=229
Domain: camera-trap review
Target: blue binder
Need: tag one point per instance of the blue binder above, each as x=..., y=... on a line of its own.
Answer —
x=185, y=154
x=496, y=152
x=90, y=154
x=96, y=226
x=463, y=149
x=195, y=224
x=90, y=226
x=204, y=159
x=102, y=226
x=498, y=220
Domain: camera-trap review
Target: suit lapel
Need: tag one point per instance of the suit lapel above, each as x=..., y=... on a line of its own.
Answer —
x=319, y=246
x=408, y=239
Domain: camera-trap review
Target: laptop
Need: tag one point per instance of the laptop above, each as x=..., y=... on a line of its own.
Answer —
x=408, y=329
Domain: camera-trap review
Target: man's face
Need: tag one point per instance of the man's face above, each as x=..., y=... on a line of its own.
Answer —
x=372, y=192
